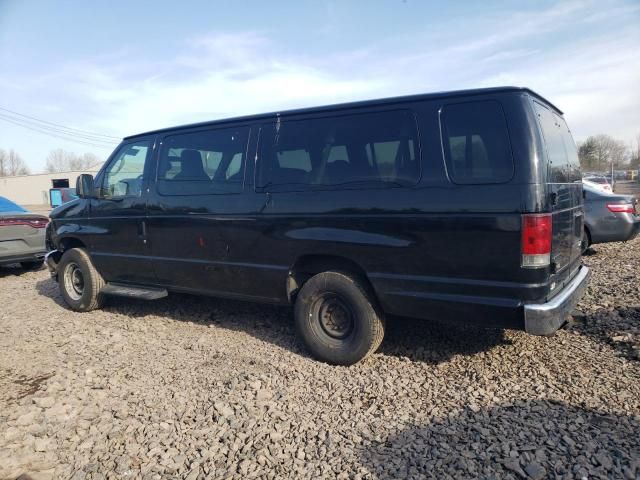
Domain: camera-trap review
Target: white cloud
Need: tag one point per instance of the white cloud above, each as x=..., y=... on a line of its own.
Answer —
x=216, y=76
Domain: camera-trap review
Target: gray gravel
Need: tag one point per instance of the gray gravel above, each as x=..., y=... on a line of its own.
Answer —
x=195, y=388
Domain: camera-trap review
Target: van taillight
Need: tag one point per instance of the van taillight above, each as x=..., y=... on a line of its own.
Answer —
x=536, y=240
x=621, y=208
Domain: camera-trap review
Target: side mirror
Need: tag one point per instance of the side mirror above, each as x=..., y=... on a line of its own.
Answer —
x=84, y=186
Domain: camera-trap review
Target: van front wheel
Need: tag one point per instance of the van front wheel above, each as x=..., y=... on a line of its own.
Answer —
x=80, y=282
x=337, y=319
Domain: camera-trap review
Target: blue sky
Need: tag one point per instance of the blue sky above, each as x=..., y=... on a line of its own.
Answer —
x=122, y=67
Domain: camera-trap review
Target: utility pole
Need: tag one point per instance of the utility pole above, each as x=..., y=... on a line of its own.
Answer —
x=612, y=181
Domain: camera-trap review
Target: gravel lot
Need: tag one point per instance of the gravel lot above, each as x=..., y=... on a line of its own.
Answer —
x=194, y=388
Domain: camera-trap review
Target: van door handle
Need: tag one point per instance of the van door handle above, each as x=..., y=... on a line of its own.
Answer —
x=143, y=231
x=267, y=201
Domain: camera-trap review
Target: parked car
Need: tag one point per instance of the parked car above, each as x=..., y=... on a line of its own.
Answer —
x=598, y=183
x=453, y=206
x=22, y=235
x=609, y=217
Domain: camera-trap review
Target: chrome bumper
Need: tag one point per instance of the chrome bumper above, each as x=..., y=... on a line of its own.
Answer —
x=51, y=259
x=546, y=318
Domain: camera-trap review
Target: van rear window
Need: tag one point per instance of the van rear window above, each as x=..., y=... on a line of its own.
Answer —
x=476, y=144
x=363, y=150
x=562, y=154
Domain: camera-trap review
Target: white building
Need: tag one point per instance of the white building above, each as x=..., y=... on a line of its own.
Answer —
x=34, y=189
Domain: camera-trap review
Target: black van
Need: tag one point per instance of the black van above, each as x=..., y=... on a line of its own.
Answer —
x=462, y=205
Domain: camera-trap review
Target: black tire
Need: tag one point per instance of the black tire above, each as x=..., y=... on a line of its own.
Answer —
x=32, y=265
x=337, y=319
x=586, y=239
x=80, y=283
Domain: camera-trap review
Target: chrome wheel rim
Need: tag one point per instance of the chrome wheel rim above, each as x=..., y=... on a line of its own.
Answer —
x=73, y=281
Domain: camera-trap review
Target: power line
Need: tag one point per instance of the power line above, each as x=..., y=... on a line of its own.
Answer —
x=61, y=130
x=59, y=126
x=58, y=135
x=55, y=130
x=51, y=134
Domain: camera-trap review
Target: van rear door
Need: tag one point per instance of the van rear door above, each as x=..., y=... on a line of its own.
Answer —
x=565, y=188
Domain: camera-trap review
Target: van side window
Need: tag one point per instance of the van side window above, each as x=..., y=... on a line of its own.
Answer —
x=123, y=176
x=564, y=166
x=361, y=150
x=476, y=144
x=299, y=159
x=202, y=162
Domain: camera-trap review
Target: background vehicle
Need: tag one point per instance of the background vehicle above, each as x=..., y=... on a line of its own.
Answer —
x=598, y=183
x=22, y=235
x=609, y=217
x=58, y=196
x=349, y=212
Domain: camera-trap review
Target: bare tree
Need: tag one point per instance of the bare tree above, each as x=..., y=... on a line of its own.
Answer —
x=60, y=160
x=599, y=152
x=634, y=153
x=89, y=160
x=11, y=163
x=587, y=154
x=56, y=160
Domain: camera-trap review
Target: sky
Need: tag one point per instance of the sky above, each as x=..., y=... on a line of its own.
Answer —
x=118, y=68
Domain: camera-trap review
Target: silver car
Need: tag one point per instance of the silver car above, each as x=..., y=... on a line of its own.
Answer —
x=609, y=217
x=22, y=235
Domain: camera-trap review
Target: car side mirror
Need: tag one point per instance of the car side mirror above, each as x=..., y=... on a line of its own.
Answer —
x=84, y=186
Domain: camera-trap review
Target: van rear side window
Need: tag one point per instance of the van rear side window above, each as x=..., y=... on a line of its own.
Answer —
x=564, y=165
x=349, y=150
x=476, y=144
x=203, y=162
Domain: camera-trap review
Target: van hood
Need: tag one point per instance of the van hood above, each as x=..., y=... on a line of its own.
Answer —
x=64, y=210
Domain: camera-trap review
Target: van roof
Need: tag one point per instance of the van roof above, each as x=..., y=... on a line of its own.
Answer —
x=363, y=103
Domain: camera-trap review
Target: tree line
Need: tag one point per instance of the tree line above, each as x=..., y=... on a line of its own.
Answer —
x=11, y=163
x=58, y=160
x=599, y=152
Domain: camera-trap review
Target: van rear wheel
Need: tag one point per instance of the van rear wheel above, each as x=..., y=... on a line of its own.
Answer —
x=80, y=282
x=337, y=319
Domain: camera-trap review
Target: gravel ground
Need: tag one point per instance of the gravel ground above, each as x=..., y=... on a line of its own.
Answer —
x=195, y=388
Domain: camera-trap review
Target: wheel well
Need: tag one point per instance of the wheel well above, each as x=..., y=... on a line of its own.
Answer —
x=588, y=232
x=307, y=266
x=70, y=242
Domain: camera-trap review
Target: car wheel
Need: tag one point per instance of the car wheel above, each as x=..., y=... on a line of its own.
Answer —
x=337, y=319
x=34, y=265
x=80, y=283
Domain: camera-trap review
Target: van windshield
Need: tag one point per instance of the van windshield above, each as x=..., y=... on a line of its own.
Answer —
x=562, y=154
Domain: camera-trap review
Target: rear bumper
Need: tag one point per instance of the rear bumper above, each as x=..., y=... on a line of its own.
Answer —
x=621, y=228
x=546, y=318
